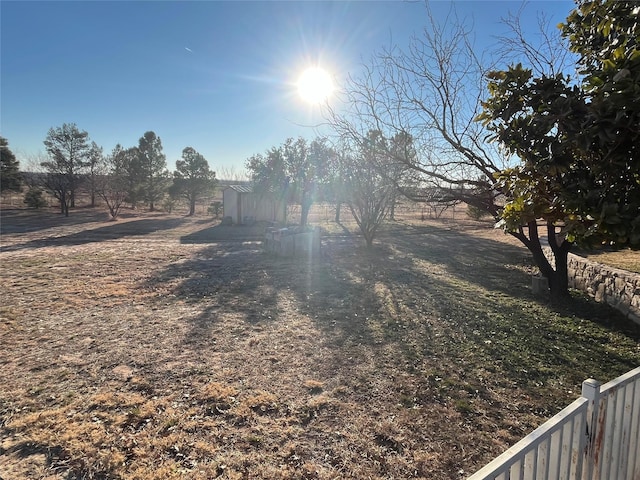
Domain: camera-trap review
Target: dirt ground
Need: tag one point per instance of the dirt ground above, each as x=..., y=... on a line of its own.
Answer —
x=161, y=346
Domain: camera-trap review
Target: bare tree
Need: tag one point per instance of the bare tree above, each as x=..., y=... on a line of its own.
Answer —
x=368, y=192
x=94, y=164
x=431, y=93
x=111, y=180
x=233, y=175
x=549, y=55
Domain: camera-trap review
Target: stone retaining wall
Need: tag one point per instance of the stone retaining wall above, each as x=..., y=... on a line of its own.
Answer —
x=619, y=288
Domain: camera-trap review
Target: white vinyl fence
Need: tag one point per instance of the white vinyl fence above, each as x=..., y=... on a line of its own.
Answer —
x=597, y=437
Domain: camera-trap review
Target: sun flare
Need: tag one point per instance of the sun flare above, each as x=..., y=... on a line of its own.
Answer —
x=315, y=85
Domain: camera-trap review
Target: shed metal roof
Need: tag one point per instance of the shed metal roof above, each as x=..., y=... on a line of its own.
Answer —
x=241, y=188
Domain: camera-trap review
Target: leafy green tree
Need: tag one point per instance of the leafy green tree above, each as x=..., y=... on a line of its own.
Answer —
x=10, y=178
x=133, y=176
x=306, y=167
x=532, y=120
x=267, y=170
x=295, y=170
x=606, y=36
x=192, y=178
x=577, y=140
x=68, y=149
x=153, y=166
x=269, y=174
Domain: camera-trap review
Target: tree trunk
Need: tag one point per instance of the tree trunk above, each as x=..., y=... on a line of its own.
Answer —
x=368, y=238
x=557, y=277
x=392, y=210
x=559, y=281
x=65, y=198
x=305, y=206
x=338, y=208
x=192, y=207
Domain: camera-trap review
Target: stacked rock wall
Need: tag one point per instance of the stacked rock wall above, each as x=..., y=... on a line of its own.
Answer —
x=619, y=288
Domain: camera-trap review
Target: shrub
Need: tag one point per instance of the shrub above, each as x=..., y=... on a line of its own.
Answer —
x=169, y=204
x=215, y=209
x=34, y=199
x=476, y=213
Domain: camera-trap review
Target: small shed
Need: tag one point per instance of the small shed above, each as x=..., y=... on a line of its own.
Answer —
x=244, y=205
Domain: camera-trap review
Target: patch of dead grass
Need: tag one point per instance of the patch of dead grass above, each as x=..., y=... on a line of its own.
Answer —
x=625, y=259
x=145, y=357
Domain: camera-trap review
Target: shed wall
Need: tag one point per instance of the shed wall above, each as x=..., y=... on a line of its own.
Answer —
x=241, y=205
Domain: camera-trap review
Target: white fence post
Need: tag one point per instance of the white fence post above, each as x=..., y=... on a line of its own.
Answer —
x=597, y=437
x=590, y=391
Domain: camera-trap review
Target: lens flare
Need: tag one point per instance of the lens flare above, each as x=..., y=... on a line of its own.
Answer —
x=315, y=85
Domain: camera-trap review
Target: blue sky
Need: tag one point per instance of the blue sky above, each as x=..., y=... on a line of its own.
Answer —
x=217, y=76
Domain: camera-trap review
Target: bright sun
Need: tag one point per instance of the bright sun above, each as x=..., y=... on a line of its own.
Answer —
x=315, y=85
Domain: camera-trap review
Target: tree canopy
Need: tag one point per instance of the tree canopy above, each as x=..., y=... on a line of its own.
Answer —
x=153, y=168
x=69, y=149
x=192, y=178
x=10, y=178
x=295, y=170
x=606, y=35
x=370, y=191
x=111, y=179
x=577, y=139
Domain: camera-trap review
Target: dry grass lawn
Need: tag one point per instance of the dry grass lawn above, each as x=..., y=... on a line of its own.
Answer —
x=164, y=347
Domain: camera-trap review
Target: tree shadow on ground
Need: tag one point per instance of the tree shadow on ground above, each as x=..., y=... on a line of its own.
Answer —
x=488, y=263
x=13, y=221
x=486, y=289
x=239, y=276
x=225, y=233
x=113, y=231
x=432, y=296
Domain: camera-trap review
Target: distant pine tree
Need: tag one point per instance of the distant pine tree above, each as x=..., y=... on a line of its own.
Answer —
x=10, y=178
x=192, y=178
x=34, y=198
x=68, y=148
x=153, y=164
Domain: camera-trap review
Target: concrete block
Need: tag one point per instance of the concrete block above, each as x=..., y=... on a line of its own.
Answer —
x=539, y=285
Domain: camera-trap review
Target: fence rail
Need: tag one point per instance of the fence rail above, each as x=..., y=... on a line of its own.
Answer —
x=597, y=437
